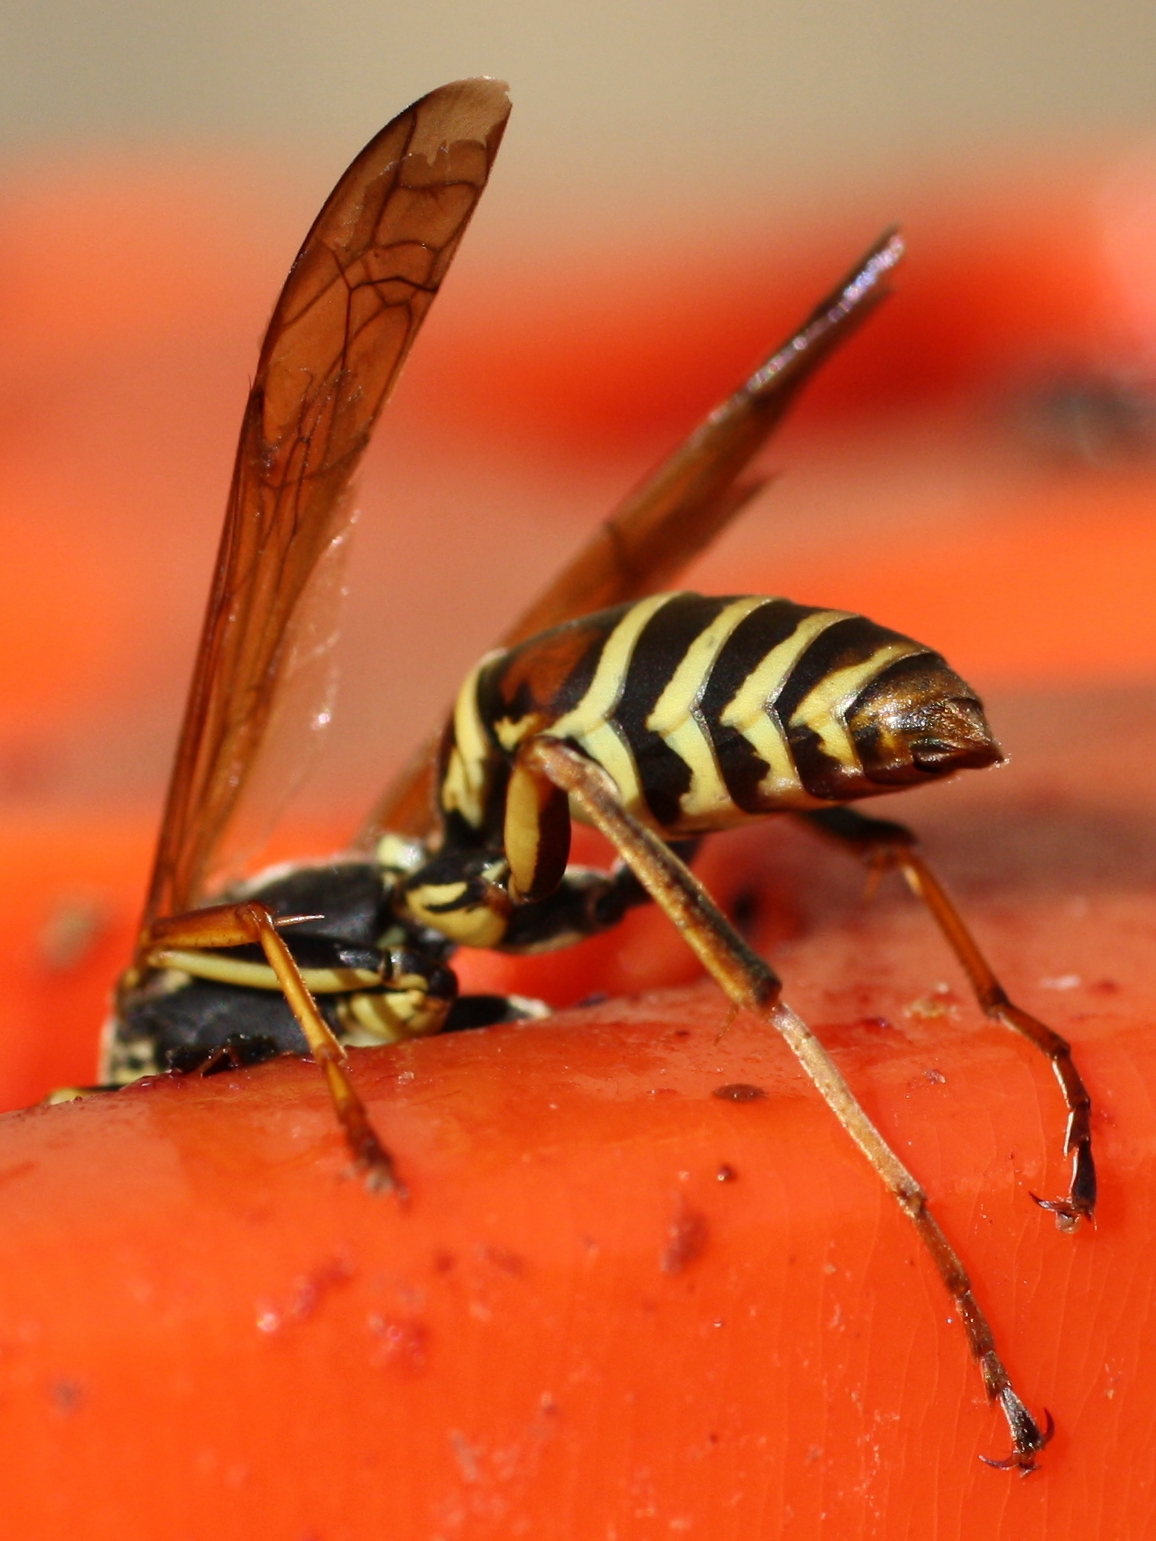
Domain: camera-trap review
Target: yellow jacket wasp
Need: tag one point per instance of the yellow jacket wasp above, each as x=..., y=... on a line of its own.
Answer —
x=655, y=716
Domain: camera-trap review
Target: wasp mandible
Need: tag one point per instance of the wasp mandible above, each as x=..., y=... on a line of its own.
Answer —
x=656, y=716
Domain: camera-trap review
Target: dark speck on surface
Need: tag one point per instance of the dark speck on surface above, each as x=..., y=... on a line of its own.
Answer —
x=67, y=1396
x=686, y=1239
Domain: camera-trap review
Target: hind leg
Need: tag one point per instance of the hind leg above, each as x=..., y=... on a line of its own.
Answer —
x=753, y=986
x=884, y=844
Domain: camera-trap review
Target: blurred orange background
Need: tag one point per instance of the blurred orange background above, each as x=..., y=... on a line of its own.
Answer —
x=977, y=470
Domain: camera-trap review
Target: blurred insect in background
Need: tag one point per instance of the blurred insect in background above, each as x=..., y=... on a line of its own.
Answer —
x=655, y=716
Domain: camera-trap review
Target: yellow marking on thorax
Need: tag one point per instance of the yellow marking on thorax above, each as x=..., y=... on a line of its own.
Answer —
x=463, y=786
x=473, y=925
x=437, y=893
x=823, y=707
x=751, y=709
x=400, y=853
x=675, y=718
x=259, y=976
x=589, y=725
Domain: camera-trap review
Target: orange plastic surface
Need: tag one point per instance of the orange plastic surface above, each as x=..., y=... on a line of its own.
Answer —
x=617, y=1304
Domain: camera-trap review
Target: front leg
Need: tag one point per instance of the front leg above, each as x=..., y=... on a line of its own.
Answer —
x=886, y=844
x=240, y=925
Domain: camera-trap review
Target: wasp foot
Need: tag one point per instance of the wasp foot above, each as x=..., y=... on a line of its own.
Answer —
x=1028, y=1440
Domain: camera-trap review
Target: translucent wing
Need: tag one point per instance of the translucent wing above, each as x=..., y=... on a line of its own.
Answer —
x=679, y=509
x=346, y=318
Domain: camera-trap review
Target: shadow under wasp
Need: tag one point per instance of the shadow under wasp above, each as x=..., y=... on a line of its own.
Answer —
x=655, y=716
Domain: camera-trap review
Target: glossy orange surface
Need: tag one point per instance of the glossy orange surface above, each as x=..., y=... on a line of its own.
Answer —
x=578, y=1327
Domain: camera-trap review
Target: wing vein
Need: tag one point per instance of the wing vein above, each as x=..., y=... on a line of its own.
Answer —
x=354, y=300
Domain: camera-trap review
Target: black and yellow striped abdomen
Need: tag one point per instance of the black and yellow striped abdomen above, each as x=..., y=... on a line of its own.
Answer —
x=707, y=712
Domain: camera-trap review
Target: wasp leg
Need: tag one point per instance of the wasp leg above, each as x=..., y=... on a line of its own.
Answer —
x=752, y=985
x=238, y=925
x=239, y=1051
x=887, y=844
x=585, y=903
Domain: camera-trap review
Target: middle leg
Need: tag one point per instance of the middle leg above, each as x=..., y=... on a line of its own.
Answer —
x=885, y=844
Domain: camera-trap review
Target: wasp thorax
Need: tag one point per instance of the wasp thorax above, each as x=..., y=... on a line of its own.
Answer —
x=920, y=720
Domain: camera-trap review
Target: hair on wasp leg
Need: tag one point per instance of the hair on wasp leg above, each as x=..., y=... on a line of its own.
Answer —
x=656, y=716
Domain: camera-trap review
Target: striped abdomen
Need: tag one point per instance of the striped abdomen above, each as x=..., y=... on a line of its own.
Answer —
x=708, y=712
